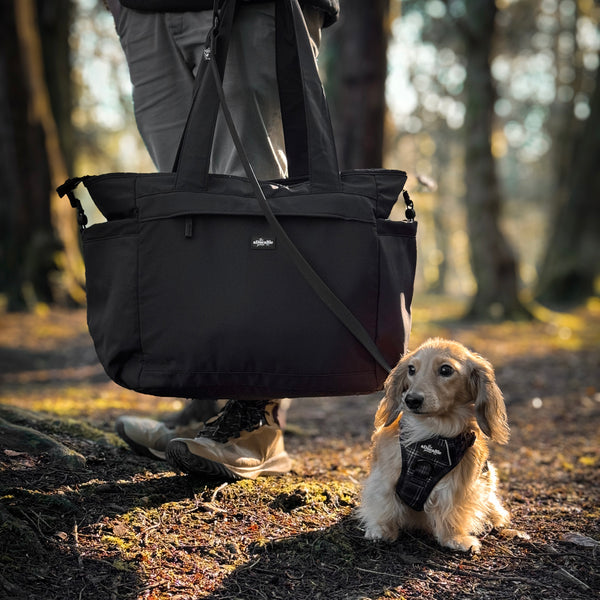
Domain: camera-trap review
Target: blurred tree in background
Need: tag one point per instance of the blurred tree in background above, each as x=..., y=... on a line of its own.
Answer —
x=491, y=107
x=572, y=262
x=539, y=102
x=26, y=232
x=39, y=248
x=354, y=63
x=492, y=259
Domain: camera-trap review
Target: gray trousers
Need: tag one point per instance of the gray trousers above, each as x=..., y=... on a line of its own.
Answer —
x=163, y=51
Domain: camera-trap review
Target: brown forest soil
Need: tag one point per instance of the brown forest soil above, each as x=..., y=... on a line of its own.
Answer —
x=112, y=525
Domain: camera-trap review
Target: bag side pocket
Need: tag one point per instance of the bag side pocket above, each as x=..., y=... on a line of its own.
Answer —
x=110, y=253
x=397, y=263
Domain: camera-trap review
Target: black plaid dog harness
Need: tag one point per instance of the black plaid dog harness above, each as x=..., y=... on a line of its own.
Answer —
x=426, y=462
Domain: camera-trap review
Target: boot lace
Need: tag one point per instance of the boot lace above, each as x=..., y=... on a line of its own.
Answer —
x=236, y=416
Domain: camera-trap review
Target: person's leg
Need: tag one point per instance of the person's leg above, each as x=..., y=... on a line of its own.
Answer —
x=246, y=440
x=163, y=51
x=158, y=48
x=162, y=77
x=250, y=86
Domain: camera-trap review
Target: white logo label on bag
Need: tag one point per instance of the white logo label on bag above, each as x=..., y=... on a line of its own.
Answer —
x=263, y=243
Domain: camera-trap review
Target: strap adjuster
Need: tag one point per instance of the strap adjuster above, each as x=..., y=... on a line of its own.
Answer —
x=66, y=189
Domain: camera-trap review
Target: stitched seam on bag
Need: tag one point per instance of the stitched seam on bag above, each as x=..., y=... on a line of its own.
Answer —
x=395, y=235
x=258, y=212
x=150, y=369
x=139, y=315
x=184, y=213
x=249, y=195
x=404, y=233
x=377, y=307
x=109, y=237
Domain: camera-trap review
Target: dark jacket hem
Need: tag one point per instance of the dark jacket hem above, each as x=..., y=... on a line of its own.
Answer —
x=331, y=8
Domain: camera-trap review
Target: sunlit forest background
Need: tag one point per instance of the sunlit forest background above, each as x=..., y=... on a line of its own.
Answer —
x=493, y=108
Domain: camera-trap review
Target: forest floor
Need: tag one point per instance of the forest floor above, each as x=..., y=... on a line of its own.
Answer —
x=98, y=522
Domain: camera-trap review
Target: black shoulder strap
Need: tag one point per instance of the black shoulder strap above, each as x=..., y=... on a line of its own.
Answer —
x=314, y=280
x=291, y=96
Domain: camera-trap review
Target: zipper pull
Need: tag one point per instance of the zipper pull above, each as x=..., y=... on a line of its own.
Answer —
x=189, y=227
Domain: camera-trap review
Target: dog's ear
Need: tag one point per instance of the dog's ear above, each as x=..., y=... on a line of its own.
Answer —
x=489, y=403
x=390, y=406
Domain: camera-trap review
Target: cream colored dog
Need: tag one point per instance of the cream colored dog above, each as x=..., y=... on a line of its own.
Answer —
x=429, y=462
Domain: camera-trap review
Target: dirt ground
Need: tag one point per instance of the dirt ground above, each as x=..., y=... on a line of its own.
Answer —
x=90, y=520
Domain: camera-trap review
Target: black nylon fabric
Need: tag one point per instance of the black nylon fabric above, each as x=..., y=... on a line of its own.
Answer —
x=331, y=8
x=191, y=294
x=181, y=301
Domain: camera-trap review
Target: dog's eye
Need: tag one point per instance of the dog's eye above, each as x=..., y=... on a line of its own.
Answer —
x=411, y=370
x=446, y=370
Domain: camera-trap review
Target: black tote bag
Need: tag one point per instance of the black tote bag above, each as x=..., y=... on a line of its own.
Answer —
x=194, y=289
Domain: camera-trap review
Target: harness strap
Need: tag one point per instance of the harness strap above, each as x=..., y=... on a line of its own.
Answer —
x=425, y=463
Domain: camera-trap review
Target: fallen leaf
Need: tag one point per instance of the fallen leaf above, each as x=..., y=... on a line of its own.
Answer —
x=564, y=463
x=120, y=530
x=579, y=539
x=14, y=453
x=514, y=533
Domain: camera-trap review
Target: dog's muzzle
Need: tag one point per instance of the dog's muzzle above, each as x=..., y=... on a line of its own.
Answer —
x=414, y=401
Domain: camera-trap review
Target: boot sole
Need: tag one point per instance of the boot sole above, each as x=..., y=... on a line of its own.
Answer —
x=138, y=448
x=179, y=456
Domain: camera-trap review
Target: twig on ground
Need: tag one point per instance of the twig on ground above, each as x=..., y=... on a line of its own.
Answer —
x=402, y=576
x=564, y=574
x=76, y=546
x=213, y=498
x=561, y=572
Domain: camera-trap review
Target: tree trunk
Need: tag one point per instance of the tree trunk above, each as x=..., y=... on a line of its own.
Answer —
x=26, y=237
x=32, y=167
x=572, y=263
x=492, y=260
x=55, y=19
x=356, y=69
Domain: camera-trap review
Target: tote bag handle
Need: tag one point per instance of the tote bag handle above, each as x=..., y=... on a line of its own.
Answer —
x=307, y=125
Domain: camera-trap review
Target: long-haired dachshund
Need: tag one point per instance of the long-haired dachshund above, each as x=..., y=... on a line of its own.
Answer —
x=429, y=462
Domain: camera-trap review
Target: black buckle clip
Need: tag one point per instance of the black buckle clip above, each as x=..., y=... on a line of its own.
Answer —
x=82, y=219
x=66, y=189
x=410, y=207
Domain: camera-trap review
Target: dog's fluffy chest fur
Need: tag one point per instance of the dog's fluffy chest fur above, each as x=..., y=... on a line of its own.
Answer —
x=424, y=464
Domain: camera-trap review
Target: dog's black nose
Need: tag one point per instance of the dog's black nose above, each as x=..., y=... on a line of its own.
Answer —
x=413, y=400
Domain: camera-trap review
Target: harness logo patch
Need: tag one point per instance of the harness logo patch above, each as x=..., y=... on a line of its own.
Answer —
x=431, y=450
x=263, y=243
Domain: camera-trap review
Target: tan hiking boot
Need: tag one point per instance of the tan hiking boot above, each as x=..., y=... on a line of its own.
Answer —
x=149, y=437
x=244, y=442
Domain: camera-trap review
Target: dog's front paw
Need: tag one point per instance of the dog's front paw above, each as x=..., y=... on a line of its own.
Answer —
x=379, y=533
x=464, y=543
